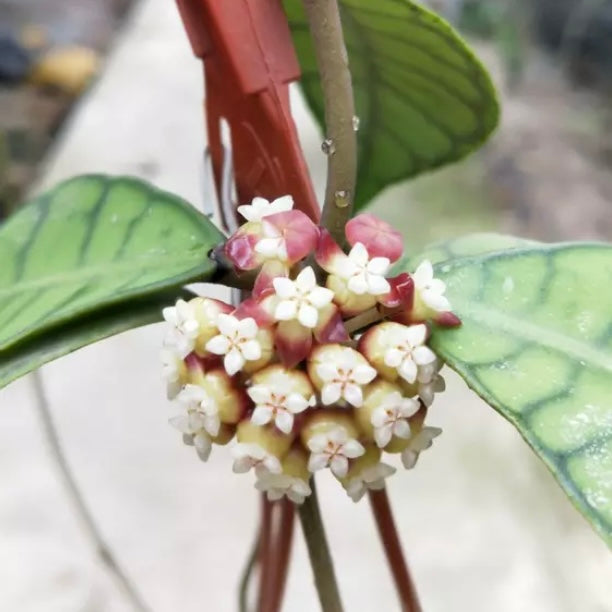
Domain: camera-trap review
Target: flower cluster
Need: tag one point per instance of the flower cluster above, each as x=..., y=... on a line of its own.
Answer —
x=325, y=365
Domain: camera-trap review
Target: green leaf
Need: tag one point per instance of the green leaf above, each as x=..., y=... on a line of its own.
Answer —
x=33, y=353
x=464, y=246
x=422, y=97
x=536, y=344
x=91, y=242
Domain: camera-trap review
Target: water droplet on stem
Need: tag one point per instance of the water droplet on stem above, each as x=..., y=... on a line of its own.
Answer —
x=328, y=147
x=341, y=198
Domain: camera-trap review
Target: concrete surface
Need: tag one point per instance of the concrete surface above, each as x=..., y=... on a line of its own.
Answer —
x=484, y=525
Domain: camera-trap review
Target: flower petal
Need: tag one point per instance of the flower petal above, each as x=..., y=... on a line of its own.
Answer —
x=423, y=274
x=320, y=296
x=377, y=285
x=339, y=466
x=306, y=280
x=317, y=461
x=435, y=301
x=394, y=357
x=359, y=254
x=251, y=350
x=262, y=415
x=408, y=370
x=378, y=265
x=353, y=449
x=363, y=374
x=308, y=316
x=416, y=334
x=286, y=310
x=327, y=371
x=402, y=429
x=383, y=435
x=358, y=284
x=219, y=345
x=296, y=403
x=233, y=361
x=260, y=394
x=284, y=287
x=353, y=395
x=423, y=355
x=247, y=327
x=331, y=393
x=284, y=421
x=227, y=324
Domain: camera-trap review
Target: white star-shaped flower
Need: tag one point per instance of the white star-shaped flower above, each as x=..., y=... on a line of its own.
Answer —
x=201, y=421
x=273, y=244
x=236, y=340
x=300, y=299
x=277, y=486
x=406, y=351
x=372, y=478
x=365, y=275
x=344, y=377
x=172, y=365
x=390, y=418
x=202, y=411
x=278, y=402
x=430, y=382
x=260, y=208
x=430, y=290
x=418, y=443
x=333, y=449
x=247, y=456
x=201, y=441
x=185, y=326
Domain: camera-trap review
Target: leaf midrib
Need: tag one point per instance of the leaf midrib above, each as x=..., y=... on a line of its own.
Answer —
x=70, y=276
x=530, y=332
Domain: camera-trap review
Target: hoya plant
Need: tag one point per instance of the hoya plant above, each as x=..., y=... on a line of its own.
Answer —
x=328, y=352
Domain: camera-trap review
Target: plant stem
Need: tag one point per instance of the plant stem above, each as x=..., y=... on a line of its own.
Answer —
x=393, y=549
x=264, y=555
x=318, y=550
x=75, y=496
x=247, y=574
x=332, y=61
x=362, y=320
x=284, y=540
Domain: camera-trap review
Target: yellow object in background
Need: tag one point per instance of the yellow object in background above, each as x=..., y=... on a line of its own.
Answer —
x=69, y=69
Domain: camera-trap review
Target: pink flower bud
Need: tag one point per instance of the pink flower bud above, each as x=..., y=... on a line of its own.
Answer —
x=379, y=238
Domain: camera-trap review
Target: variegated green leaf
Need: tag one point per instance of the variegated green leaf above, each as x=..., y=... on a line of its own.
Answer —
x=422, y=97
x=33, y=353
x=536, y=344
x=91, y=242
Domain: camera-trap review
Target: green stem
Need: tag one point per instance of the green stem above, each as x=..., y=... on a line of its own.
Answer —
x=318, y=550
x=332, y=61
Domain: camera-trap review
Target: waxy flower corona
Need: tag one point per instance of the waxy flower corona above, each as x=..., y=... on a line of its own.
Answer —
x=325, y=366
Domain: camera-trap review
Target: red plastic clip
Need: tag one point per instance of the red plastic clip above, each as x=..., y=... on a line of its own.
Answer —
x=249, y=61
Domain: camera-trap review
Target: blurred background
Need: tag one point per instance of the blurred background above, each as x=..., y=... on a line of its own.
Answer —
x=111, y=86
